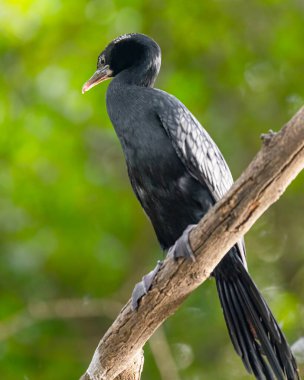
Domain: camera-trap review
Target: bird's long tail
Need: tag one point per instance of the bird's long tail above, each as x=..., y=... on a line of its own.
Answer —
x=254, y=332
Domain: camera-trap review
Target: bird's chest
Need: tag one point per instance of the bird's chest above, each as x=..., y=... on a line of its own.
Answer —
x=153, y=165
x=152, y=162
x=149, y=153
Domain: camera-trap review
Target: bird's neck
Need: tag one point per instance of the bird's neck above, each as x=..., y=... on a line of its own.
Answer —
x=142, y=75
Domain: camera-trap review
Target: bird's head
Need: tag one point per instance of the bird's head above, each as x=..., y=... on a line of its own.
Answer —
x=136, y=53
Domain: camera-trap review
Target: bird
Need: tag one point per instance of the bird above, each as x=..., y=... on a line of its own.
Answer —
x=178, y=173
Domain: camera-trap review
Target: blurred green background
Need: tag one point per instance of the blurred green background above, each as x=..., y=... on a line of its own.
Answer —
x=73, y=238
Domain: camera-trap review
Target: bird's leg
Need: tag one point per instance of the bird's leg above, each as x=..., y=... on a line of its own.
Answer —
x=181, y=247
x=142, y=287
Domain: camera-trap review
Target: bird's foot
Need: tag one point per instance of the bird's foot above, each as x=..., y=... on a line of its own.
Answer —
x=181, y=247
x=142, y=287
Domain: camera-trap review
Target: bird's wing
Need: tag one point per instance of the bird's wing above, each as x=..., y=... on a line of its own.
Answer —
x=197, y=150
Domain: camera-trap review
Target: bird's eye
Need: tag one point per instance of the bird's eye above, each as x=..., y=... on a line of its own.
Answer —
x=102, y=60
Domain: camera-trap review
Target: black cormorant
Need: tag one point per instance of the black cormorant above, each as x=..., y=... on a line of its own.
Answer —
x=177, y=173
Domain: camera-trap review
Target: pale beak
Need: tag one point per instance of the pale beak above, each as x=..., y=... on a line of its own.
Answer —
x=99, y=76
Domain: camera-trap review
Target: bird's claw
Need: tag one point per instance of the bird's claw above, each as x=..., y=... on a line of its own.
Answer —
x=142, y=287
x=181, y=247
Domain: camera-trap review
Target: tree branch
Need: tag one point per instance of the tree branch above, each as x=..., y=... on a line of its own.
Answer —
x=278, y=162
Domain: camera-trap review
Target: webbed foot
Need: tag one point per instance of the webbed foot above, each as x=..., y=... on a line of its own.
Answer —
x=142, y=287
x=181, y=247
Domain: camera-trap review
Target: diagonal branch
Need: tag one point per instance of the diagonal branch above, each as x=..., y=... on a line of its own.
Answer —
x=278, y=162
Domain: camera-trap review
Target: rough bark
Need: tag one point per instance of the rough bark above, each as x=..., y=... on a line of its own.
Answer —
x=278, y=162
x=133, y=371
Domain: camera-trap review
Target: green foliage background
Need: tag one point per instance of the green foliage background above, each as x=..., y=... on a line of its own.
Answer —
x=70, y=225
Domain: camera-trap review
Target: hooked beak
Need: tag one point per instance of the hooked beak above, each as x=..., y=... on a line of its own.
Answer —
x=99, y=76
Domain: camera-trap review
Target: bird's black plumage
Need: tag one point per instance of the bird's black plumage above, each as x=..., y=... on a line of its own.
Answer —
x=177, y=173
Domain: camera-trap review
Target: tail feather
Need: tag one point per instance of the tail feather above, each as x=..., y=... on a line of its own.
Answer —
x=249, y=353
x=259, y=332
x=274, y=341
x=254, y=332
x=238, y=340
x=257, y=362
